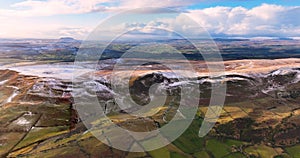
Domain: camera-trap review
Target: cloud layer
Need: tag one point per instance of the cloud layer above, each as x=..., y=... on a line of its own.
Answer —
x=33, y=8
x=30, y=8
x=263, y=20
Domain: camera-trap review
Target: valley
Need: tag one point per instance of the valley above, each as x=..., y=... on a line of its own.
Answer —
x=260, y=117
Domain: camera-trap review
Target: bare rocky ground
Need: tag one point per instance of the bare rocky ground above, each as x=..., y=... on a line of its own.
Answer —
x=261, y=116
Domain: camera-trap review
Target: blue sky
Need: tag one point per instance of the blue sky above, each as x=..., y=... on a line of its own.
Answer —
x=244, y=3
x=5, y=4
x=77, y=18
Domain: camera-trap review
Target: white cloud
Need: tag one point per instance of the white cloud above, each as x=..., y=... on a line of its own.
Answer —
x=262, y=20
x=78, y=32
x=130, y=4
x=22, y=28
x=29, y=8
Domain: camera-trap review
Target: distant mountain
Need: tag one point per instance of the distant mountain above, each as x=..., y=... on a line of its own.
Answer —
x=67, y=40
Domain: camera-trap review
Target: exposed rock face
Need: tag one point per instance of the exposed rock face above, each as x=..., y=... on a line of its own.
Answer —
x=51, y=90
x=263, y=107
x=239, y=86
x=265, y=94
x=29, y=103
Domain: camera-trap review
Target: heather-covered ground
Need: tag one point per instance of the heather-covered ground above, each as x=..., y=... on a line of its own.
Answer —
x=260, y=118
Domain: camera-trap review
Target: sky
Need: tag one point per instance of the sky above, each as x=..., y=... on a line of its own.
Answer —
x=221, y=18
